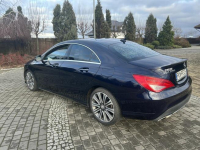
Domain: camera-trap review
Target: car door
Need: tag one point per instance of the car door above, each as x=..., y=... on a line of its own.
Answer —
x=80, y=69
x=49, y=71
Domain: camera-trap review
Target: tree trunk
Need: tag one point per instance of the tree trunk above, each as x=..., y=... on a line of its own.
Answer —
x=37, y=43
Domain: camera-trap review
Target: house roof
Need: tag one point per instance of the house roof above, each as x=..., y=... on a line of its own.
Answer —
x=197, y=26
x=116, y=24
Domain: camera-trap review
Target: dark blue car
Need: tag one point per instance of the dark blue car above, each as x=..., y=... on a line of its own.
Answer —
x=113, y=77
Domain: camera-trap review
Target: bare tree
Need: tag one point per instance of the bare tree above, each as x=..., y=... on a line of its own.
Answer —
x=116, y=29
x=84, y=21
x=38, y=19
x=5, y=4
x=191, y=33
x=14, y=25
x=140, y=29
x=177, y=32
x=83, y=28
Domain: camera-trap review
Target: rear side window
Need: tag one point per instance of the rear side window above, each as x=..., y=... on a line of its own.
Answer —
x=132, y=51
x=82, y=53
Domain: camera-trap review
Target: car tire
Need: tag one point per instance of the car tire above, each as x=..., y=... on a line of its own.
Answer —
x=31, y=81
x=104, y=107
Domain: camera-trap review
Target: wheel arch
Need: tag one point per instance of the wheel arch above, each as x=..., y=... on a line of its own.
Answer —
x=95, y=87
x=90, y=92
x=28, y=69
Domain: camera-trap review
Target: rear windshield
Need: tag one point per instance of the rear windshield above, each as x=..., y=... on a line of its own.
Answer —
x=132, y=51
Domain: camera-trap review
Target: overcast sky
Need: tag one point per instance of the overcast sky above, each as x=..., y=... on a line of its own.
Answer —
x=184, y=14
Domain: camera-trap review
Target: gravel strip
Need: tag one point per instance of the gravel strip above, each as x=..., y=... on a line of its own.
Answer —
x=58, y=133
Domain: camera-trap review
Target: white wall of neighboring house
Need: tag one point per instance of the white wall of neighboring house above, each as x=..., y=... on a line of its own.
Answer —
x=120, y=35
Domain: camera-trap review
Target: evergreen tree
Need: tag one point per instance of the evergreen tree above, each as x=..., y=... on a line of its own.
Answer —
x=151, y=29
x=129, y=27
x=166, y=36
x=124, y=26
x=56, y=21
x=10, y=10
x=99, y=21
x=19, y=9
x=67, y=21
x=108, y=18
x=106, y=30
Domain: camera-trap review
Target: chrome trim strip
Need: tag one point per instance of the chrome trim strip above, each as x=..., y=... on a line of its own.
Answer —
x=75, y=60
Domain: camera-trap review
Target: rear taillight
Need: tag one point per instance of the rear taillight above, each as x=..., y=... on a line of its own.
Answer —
x=153, y=84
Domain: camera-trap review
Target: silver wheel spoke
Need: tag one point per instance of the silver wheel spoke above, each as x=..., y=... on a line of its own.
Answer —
x=108, y=103
x=100, y=99
x=96, y=99
x=100, y=114
x=108, y=114
x=104, y=117
x=110, y=110
x=104, y=98
x=28, y=77
x=95, y=104
x=96, y=110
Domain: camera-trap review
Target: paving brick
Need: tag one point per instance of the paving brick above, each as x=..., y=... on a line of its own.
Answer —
x=30, y=119
x=17, y=110
x=42, y=147
x=23, y=145
x=4, y=148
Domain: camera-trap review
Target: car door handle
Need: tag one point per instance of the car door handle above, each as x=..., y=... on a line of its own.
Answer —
x=84, y=69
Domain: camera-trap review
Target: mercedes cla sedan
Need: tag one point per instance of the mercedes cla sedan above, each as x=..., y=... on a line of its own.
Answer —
x=113, y=77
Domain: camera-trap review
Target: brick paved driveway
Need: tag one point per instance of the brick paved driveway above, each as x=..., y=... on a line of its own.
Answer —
x=39, y=120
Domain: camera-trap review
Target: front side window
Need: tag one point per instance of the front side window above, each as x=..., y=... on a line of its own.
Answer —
x=59, y=53
x=82, y=53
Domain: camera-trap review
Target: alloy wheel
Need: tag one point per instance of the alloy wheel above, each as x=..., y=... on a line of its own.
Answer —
x=102, y=107
x=30, y=80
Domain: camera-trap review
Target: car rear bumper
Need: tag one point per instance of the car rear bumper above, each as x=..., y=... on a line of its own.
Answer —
x=157, y=106
x=174, y=109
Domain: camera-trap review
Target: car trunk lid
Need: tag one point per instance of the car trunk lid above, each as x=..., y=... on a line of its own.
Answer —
x=167, y=67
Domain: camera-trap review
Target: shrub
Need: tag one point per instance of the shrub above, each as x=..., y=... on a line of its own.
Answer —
x=13, y=60
x=149, y=45
x=165, y=47
x=182, y=42
x=177, y=46
x=156, y=43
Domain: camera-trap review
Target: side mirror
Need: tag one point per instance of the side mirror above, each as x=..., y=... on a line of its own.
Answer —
x=38, y=58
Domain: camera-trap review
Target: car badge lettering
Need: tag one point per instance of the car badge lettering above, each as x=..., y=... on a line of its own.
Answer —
x=169, y=70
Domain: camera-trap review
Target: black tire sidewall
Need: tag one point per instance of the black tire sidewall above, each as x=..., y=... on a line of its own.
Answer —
x=117, y=110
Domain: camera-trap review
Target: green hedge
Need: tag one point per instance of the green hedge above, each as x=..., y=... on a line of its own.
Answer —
x=156, y=43
x=177, y=46
x=149, y=45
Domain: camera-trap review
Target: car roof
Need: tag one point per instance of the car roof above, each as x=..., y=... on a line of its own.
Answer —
x=100, y=47
x=104, y=42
